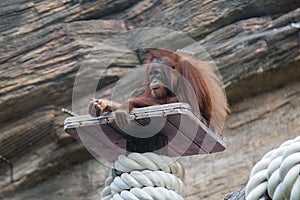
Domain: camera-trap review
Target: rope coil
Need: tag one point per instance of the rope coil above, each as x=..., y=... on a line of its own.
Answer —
x=144, y=176
x=277, y=175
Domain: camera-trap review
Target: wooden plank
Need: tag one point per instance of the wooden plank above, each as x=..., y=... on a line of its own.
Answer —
x=201, y=135
x=170, y=129
x=99, y=144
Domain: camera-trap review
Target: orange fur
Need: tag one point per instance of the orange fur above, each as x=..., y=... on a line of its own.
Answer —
x=219, y=103
x=210, y=100
x=205, y=83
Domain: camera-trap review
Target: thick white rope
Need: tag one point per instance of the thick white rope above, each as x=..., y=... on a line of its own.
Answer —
x=277, y=174
x=145, y=176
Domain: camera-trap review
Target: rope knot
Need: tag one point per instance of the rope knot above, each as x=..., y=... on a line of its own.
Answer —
x=145, y=176
x=277, y=175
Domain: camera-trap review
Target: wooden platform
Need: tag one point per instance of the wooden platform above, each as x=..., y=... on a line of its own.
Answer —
x=185, y=133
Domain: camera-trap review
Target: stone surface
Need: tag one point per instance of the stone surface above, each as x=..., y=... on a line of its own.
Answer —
x=254, y=127
x=45, y=45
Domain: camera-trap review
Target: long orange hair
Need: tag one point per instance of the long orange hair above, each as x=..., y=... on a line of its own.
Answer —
x=211, y=100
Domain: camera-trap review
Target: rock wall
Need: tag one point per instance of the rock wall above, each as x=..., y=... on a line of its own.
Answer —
x=44, y=43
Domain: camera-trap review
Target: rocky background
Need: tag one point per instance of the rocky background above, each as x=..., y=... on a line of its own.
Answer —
x=44, y=42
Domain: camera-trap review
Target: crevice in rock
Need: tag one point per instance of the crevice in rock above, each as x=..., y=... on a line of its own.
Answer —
x=261, y=83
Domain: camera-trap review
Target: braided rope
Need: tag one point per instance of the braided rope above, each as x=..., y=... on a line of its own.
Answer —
x=144, y=176
x=277, y=175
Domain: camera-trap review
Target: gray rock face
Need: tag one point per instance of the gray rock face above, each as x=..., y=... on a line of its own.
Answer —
x=44, y=44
